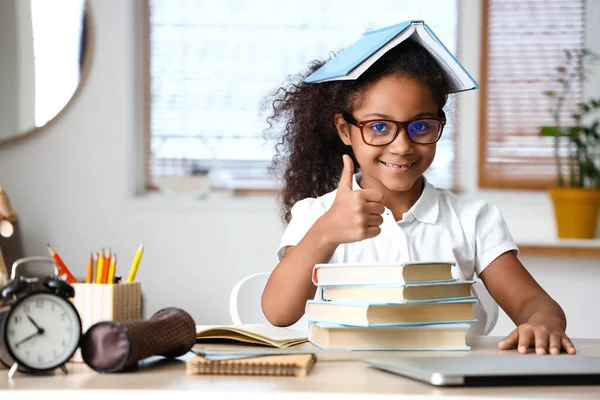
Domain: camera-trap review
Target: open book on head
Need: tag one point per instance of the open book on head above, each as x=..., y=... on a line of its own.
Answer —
x=262, y=334
x=351, y=62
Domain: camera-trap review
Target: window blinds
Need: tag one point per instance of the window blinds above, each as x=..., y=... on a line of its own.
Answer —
x=523, y=43
x=210, y=64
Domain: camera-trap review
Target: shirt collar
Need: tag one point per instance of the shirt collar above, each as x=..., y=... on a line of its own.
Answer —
x=426, y=209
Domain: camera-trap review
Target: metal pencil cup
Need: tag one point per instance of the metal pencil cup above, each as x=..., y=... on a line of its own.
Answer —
x=98, y=302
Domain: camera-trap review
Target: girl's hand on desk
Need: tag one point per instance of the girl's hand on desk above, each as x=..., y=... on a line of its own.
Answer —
x=547, y=338
x=540, y=320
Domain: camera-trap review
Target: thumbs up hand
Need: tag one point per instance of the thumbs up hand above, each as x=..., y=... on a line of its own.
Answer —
x=355, y=214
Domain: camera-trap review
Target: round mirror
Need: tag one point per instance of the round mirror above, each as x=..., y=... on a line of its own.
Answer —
x=44, y=51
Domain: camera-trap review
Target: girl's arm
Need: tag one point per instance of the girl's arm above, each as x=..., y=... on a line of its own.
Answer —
x=290, y=284
x=539, y=319
x=354, y=215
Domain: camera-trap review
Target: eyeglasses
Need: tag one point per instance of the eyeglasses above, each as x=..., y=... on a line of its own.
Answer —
x=380, y=132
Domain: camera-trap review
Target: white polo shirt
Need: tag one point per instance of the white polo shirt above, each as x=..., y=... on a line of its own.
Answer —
x=440, y=226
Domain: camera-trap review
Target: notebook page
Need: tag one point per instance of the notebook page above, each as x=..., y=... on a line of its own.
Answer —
x=276, y=336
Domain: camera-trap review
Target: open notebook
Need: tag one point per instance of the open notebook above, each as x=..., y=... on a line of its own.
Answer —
x=261, y=334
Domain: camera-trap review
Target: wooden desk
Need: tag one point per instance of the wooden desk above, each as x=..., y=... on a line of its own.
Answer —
x=334, y=376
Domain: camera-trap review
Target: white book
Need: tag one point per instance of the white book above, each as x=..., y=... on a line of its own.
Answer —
x=382, y=273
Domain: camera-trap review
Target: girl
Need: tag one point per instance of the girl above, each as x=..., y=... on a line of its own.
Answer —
x=385, y=126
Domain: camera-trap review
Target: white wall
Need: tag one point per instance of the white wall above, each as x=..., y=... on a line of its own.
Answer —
x=74, y=186
x=25, y=62
x=17, y=68
x=9, y=70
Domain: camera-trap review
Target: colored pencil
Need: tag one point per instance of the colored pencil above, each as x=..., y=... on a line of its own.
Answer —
x=107, y=260
x=111, y=270
x=90, y=269
x=62, y=268
x=100, y=268
x=136, y=263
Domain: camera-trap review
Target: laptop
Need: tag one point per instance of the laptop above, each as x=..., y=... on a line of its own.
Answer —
x=503, y=370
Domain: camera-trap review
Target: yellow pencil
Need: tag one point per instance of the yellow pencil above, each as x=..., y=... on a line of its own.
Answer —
x=100, y=270
x=136, y=263
x=111, y=270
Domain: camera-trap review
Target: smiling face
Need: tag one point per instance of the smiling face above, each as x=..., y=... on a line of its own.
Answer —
x=395, y=167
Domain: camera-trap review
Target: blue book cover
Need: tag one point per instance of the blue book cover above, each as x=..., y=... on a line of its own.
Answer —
x=407, y=302
x=351, y=62
x=353, y=55
x=465, y=348
x=393, y=324
x=367, y=303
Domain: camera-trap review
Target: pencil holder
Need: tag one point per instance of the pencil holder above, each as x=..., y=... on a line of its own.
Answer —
x=98, y=302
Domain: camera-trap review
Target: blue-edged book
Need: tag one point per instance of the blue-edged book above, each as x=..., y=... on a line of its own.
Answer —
x=399, y=293
x=441, y=337
x=354, y=60
x=387, y=314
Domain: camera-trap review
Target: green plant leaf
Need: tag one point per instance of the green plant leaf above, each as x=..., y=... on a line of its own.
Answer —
x=548, y=131
x=553, y=130
x=577, y=145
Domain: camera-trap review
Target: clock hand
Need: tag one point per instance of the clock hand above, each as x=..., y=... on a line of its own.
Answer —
x=28, y=338
x=39, y=329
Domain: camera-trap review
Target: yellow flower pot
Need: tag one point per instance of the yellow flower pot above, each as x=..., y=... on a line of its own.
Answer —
x=576, y=212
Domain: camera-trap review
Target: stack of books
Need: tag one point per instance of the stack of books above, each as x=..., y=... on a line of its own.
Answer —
x=402, y=306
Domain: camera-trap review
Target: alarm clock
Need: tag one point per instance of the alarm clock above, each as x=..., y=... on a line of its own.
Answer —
x=40, y=329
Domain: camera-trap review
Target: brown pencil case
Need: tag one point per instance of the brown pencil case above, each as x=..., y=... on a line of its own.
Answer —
x=114, y=346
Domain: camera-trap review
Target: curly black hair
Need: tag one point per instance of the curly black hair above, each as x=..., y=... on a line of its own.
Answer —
x=309, y=150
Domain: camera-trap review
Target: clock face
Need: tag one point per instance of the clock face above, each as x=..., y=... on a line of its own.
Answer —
x=42, y=331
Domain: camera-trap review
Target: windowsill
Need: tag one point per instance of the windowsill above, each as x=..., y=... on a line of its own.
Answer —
x=563, y=243
x=256, y=192
x=236, y=202
x=530, y=217
x=590, y=248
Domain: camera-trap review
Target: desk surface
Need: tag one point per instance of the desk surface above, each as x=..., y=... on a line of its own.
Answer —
x=335, y=375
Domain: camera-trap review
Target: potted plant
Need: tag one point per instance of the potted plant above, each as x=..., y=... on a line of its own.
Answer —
x=576, y=196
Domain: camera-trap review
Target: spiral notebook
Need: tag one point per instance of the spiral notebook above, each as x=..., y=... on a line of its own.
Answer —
x=275, y=365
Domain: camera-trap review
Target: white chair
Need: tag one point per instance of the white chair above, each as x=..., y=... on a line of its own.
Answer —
x=487, y=313
x=245, y=297
x=245, y=302
x=245, y=305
